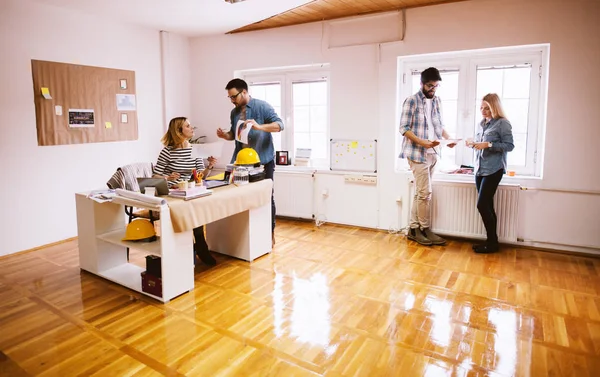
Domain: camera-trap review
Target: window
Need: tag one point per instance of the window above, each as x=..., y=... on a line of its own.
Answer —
x=301, y=98
x=270, y=92
x=515, y=74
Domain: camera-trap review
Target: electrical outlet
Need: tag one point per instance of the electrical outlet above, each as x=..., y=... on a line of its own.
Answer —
x=368, y=179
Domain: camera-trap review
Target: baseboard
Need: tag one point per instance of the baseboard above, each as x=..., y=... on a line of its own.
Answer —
x=584, y=251
x=38, y=247
x=560, y=248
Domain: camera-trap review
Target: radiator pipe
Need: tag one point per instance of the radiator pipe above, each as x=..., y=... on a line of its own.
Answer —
x=566, y=191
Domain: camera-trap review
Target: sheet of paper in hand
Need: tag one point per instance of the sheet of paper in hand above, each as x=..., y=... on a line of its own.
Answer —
x=242, y=131
x=449, y=141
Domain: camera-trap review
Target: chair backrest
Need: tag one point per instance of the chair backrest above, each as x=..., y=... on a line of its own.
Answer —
x=126, y=176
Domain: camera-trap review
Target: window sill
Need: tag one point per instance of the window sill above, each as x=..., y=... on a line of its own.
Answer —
x=295, y=169
x=517, y=179
x=318, y=170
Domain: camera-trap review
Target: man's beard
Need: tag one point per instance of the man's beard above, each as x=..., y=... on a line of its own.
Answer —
x=427, y=95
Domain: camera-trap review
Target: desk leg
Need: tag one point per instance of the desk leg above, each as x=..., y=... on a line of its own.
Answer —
x=245, y=235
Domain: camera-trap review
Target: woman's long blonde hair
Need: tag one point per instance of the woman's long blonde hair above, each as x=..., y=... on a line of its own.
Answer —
x=174, y=136
x=493, y=101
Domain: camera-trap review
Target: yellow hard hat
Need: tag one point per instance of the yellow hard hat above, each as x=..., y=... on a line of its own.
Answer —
x=247, y=156
x=139, y=229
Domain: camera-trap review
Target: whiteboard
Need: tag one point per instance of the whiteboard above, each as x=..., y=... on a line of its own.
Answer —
x=353, y=155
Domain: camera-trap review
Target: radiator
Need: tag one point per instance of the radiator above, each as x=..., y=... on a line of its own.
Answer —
x=294, y=194
x=454, y=211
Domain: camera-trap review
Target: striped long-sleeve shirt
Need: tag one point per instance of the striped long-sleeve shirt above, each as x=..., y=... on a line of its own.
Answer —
x=177, y=160
x=414, y=118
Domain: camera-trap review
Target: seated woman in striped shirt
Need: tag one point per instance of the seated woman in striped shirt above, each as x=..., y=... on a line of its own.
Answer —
x=175, y=163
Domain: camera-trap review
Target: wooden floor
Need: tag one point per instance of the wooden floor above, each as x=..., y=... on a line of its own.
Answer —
x=333, y=301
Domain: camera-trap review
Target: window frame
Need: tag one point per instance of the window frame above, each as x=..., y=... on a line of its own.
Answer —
x=467, y=62
x=286, y=77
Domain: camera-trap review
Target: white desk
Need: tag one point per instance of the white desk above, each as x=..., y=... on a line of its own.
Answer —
x=242, y=230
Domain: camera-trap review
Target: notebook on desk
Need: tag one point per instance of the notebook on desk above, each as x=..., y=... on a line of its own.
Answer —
x=193, y=193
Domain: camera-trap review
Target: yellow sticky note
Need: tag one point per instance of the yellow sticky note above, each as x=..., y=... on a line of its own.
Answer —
x=46, y=93
x=354, y=144
x=108, y=124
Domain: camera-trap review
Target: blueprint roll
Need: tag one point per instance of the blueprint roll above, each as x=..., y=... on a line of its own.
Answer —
x=139, y=197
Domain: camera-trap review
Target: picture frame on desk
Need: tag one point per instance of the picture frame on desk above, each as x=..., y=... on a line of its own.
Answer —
x=282, y=158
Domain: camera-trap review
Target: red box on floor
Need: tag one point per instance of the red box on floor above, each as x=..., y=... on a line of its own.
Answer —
x=151, y=284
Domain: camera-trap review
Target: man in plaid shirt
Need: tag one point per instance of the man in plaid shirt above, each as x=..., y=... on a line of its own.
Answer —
x=422, y=127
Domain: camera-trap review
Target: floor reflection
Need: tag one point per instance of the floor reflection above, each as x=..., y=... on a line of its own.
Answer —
x=310, y=318
x=505, y=340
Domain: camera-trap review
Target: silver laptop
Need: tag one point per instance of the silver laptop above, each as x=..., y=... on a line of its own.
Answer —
x=213, y=183
x=160, y=183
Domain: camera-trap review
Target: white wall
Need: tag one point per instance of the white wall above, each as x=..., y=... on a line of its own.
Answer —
x=38, y=183
x=363, y=99
x=176, y=76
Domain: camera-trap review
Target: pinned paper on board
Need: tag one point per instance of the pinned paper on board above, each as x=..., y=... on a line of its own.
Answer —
x=58, y=110
x=123, y=118
x=107, y=124
x=81, y=118
x=46, y=93
x=354, y=144
x=123, y=83
x=241, y=132
x=126, y=102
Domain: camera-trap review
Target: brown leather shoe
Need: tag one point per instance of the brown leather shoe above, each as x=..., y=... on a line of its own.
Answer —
x=434, y=238
x=417, y=235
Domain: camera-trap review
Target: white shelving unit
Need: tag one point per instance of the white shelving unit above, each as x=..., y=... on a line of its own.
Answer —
x=102, y=252
x=242, y=231
x=116, y=238
x=127, y=275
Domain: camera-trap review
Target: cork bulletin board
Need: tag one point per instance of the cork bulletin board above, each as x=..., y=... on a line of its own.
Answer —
x=77, y=104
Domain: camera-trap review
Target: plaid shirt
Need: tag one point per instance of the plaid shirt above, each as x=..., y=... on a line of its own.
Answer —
x=414, y=118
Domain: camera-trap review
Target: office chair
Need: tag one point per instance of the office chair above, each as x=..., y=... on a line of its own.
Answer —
x=126, y=178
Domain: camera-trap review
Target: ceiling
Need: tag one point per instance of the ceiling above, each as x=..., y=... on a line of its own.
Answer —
x=319, y=10
x=210, y=17
x=185, y=17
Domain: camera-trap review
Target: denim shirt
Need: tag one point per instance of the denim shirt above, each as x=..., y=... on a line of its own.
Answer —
x=414, y=118
x=260, y=141
x=489, y=160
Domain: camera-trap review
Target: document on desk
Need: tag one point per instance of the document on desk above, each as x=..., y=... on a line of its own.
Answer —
x=102, y=196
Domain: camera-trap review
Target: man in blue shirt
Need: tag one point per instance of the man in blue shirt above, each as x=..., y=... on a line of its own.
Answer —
x=263, y=120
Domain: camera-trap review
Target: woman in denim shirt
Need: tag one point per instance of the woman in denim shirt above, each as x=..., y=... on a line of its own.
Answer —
x=493, y=141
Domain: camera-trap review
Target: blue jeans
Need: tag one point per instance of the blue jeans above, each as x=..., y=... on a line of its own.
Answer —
x=486, y=189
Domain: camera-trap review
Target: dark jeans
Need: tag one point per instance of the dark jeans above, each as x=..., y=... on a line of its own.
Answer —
x=486, y=189
x=270, y=174
x=200, y=245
